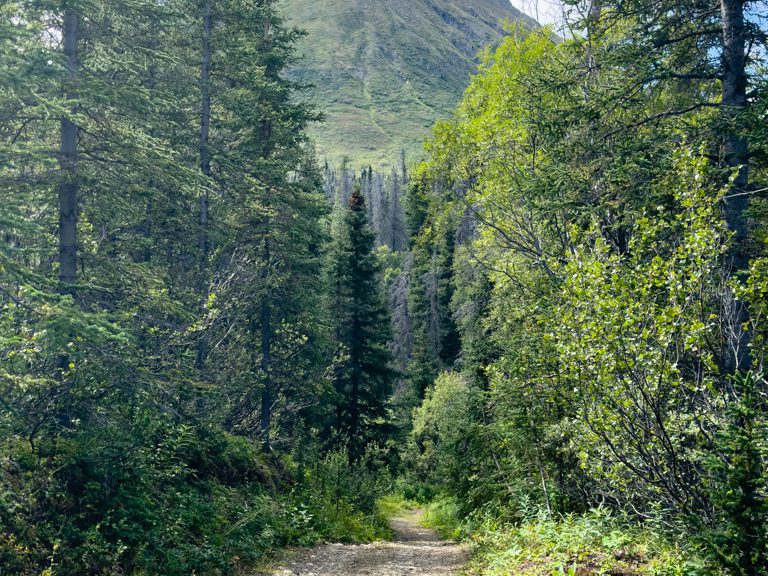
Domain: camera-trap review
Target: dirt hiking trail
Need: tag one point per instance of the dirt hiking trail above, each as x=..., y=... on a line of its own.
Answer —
x=416, y=551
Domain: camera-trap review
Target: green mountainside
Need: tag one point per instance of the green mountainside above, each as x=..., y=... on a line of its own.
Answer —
x=384, y=70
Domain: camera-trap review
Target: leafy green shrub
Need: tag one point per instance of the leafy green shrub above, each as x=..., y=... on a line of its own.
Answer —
x=593, y=543
x=411, y=488
x=446, y=445
x=444, y=515
x=343, y=497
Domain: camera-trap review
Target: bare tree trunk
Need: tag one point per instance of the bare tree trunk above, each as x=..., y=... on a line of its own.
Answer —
x=266, y=309
x=205, y=123
x=68, y=190
x=736, y=152
x=543, y=477
x=266, y=359
x=734, y=94
x=68, y=186
x=205, y=168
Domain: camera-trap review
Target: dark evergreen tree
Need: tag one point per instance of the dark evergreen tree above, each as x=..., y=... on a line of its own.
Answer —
x=362, y=372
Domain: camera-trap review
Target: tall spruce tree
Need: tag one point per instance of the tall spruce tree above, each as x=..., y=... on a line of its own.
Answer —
x=362, y=372
x=269, y=273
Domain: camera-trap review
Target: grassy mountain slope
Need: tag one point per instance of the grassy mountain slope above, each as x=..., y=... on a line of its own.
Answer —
x=385, y=70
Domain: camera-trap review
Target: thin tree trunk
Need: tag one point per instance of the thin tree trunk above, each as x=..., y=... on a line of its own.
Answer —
x=355, y=358
x=266, y=360
x=266, y=124
x=354, y=409
x=68, y=186
x=205, y=168
x=205, y=124
x=266, y=310
x=543, y=477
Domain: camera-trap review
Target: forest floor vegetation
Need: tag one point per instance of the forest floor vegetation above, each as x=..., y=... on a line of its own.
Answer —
x=594, y=543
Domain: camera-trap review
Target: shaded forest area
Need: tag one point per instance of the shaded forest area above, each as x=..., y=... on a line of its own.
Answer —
x=553, y=329
x=194, y=343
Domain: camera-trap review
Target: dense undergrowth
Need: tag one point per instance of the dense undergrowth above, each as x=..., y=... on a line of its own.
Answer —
x=193, y=503
x=596, y=542
x=588, y=320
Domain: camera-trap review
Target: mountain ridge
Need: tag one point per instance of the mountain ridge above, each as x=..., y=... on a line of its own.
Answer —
x=383, y=71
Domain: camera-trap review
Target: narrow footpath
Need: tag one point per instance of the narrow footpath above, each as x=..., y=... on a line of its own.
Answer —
x=416, y=551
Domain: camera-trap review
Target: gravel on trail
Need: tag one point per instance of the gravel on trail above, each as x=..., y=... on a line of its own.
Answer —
x=416, y=551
